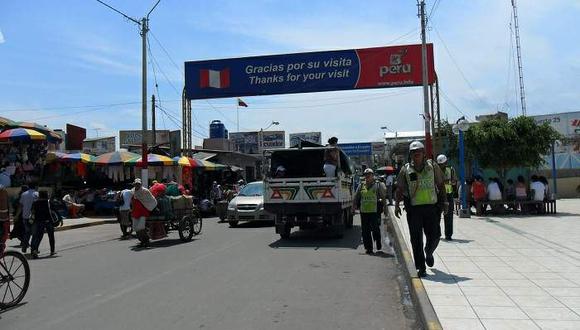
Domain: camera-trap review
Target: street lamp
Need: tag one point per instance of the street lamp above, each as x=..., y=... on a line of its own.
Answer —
x=261, y=135
x=462, y=125
x=386, y=128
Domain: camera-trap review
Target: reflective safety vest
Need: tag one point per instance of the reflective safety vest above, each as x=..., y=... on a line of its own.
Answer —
x=422, y=191
x=368, y=198
x=448, y=177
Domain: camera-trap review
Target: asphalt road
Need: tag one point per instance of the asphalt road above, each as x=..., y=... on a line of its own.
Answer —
x=226, y=278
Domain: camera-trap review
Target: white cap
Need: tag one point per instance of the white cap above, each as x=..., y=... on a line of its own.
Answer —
x=369, y=171
x=137, y=181
x=416, y=145
x=441, y=159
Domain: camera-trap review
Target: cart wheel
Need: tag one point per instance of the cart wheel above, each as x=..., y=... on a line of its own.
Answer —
x=14, y=278
x=186, y=228
x=197, y=223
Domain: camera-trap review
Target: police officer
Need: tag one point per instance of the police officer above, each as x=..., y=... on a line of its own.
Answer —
x=420, y=186
x=450, y=181
x=369, y=198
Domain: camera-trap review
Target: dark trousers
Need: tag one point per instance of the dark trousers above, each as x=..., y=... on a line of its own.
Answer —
x=423, y=218
x=448, y=218
x=40, y=228
x=26, y=233
x=370, y=230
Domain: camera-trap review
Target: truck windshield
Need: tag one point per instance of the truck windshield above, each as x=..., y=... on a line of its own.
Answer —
x=253, y=189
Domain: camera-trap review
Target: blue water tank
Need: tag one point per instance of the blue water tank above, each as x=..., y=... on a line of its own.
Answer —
x=217, y=130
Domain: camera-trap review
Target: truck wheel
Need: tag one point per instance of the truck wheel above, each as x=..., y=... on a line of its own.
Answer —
x=285, y=232
x=233, y=223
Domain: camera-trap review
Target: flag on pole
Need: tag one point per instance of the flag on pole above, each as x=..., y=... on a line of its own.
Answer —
x=242, y=103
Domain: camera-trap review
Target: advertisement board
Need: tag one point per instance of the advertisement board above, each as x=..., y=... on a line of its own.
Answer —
x=378, y=67
x=75, y=136
x=134, y=137
x=99, y=146
x=255, y=142
x=567, y=150
x=357, y=149
x=314, y=137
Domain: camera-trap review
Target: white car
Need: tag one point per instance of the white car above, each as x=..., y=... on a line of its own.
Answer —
x=248, y=205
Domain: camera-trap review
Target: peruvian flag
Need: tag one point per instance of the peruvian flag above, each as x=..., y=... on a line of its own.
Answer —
x=214, y=78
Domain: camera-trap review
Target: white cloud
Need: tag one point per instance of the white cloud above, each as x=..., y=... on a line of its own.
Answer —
x=2, y=40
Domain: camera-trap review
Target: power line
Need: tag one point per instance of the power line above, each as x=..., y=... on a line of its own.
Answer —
x=459, y=69
x=166, y=52
x=448, y=100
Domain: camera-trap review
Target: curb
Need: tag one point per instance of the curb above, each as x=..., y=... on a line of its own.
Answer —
x=419, y=296
x=86, y=224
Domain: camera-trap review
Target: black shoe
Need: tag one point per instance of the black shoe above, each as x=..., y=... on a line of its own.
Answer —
x=448, y=238
x=421, y=273
x=429, y=260
x=379, y=246
x=369, y=251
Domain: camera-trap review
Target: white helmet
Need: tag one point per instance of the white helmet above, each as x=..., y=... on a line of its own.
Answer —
x=441, y=159
x=369, y=170
x=416, y=145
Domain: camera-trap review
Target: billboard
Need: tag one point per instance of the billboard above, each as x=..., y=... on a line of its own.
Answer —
x=357, y=149
x=378, y=67
x=75, y=136
x=134, y=137
x=314, y=137
x=567, y=152
x=255, y=142
x=99, y=146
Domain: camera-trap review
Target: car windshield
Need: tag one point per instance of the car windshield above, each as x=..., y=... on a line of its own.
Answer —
x=253, y=189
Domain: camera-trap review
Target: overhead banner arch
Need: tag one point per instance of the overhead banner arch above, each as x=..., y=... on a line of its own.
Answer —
x=379, y=67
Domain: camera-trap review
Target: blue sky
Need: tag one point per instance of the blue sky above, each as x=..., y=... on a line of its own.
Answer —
x=58, y=57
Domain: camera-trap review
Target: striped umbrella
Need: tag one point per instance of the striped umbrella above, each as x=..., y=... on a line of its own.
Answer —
x=206, y=164
x=153, y=160
x=182, y=161
x=115, y=158
x=21, y=134
x=5, y=122
x=51, y=135
x=77, y=157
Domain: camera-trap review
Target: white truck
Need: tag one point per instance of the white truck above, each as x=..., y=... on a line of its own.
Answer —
x=304, y=196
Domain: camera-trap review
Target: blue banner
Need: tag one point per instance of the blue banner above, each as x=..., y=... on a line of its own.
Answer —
x=378, y=67
x=356, y=149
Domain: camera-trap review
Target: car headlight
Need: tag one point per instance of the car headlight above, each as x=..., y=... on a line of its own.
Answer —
x=231, y=207
x=261, y=206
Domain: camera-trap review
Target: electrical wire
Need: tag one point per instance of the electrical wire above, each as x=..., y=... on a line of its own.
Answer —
x=448, y=100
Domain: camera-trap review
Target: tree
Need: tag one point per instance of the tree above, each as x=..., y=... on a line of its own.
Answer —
x=504, y=144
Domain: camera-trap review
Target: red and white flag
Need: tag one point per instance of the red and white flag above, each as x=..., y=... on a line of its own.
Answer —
x=242, y=103
x=214, y=78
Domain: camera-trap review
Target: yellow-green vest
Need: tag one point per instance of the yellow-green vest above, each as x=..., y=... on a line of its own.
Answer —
x=448, y=177
x=422, y=191
x=368, y=198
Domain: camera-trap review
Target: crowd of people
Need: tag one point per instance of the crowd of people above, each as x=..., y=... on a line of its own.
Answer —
x=480, y=193
x=21, y=163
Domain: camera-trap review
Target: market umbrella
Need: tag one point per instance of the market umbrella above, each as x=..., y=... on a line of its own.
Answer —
x=77, y=157
x=183, y=161
x=51, y=135
x=153, y=160
x=5, y=122
x=115, y=158
x=21, y=134
x=52, y=156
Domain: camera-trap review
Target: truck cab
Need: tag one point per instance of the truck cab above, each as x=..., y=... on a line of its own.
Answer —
x=303, y=196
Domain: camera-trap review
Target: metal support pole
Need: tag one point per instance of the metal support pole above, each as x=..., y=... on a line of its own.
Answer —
x=554, y=172
x=144, y=170
x=153, y=110
x=426, y=115
x=464, y=212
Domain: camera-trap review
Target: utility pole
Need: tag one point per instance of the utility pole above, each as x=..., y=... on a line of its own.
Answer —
x=519, y=53
x=144, y=28
x=153, y=109
x=426, y=114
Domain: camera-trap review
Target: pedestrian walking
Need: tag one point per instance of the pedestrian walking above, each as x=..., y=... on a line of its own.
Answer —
x=124, y=199
x=26, y=200
x=450, y=182
x=390, y=181
x=369, y=199
x=420, y=187
x=42, y=223
x=142, y=204
x=18, y=228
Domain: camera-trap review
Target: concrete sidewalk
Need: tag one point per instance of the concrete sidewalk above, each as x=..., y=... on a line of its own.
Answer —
x=509, y=272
